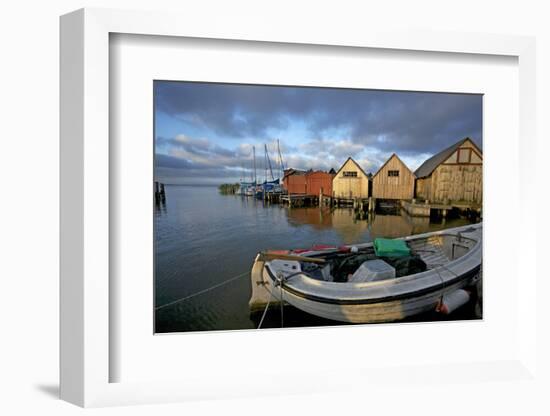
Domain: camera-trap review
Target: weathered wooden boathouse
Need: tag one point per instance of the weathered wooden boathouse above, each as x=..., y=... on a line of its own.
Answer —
x=294, y=181
x=350, y=182
x=394, y=180
x=453, y=175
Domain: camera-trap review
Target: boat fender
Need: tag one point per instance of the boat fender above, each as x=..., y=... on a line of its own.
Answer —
x=452, y=301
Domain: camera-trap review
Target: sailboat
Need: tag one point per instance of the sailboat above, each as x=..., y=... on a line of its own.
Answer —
x=273, y=185
x=249, y=188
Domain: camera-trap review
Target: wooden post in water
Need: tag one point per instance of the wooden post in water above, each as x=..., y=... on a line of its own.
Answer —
x=159, y=192
x=321, y=196
x=156, y=191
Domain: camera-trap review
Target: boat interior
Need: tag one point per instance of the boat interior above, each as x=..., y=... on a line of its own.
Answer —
x=362, y=264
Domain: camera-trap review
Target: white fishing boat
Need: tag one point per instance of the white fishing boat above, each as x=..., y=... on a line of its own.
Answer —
x=364, y=284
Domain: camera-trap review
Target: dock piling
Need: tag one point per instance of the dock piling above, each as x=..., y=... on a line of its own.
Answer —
x=160, y=195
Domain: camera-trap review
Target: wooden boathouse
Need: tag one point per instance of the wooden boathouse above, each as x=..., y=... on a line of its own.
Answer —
x=350, y=182
x=452, y=176
x=294, y=181
x=394, y=180
x=307, y=187
x=319, y=183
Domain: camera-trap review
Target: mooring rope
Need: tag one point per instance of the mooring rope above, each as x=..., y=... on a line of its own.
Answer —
x=265, y=310
x=281, y=281
x=202, y=291
x=282, y=305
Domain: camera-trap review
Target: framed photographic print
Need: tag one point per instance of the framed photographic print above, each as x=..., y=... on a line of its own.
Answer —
x=231, y=200
x=325, y=224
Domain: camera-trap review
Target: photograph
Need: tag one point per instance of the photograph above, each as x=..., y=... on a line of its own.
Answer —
x=279, y=206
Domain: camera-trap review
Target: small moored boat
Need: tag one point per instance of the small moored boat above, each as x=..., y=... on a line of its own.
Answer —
x=382, y=281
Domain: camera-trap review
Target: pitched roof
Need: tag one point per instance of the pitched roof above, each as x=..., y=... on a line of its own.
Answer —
x=356, y=164
x=386, y=162
x=292, y=171
x=430, y=164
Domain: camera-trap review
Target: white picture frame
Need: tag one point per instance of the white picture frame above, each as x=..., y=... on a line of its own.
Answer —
x=85, y=212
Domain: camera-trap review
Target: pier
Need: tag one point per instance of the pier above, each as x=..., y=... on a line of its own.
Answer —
x=302, y=200
x=272, y=197
x=414, y=208
x=359, y=205
x=298, y=200
x=425, y=208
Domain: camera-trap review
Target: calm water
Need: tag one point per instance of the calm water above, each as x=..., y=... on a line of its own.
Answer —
x=204, y=238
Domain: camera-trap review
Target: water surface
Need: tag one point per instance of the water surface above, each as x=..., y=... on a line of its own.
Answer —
x=203, y=238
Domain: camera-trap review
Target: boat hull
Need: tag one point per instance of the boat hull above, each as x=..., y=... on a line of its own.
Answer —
x=380, y=302
x=376, y=312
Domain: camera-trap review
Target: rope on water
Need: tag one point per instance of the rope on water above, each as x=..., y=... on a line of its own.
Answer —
x=202, y=291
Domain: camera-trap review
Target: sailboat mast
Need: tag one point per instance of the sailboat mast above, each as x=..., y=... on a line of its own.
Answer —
x=254, y=158
x=282, y=166
x=268, y=163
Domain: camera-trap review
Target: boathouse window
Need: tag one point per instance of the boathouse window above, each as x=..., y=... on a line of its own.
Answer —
x=350, y=174
x=393, y=173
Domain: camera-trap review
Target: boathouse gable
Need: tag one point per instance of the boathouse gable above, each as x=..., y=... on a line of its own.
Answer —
x=454, y=174
x=394, y=180
x=350, y=181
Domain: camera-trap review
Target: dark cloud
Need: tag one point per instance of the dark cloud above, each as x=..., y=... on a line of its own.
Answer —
x=337, y=123
x=414, y=122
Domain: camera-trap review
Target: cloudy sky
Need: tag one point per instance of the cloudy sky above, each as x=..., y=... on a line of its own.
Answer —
x=204, y=133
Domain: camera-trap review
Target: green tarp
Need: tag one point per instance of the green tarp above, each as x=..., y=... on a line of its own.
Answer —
x=385, y=247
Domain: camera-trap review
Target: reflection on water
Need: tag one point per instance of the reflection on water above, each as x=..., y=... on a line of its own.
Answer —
x=203, y=238
x=355, y=227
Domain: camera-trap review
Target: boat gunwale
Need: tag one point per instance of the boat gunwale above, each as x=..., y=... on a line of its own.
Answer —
x=469, y=272
x=388, y=298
